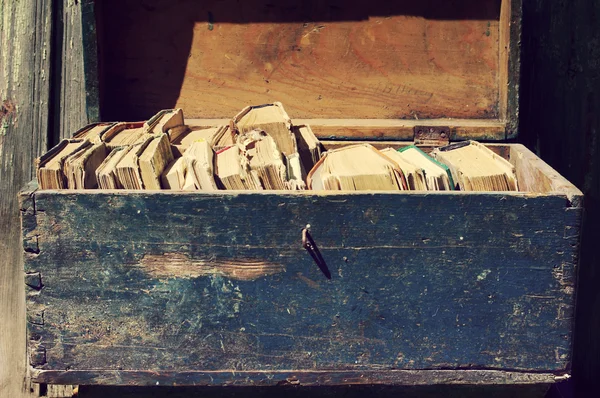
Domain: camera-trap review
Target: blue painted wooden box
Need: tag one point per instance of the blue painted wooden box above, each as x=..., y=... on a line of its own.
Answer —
x=168, y=288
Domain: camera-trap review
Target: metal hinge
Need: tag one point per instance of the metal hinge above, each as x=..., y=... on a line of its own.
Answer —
x=431, y=135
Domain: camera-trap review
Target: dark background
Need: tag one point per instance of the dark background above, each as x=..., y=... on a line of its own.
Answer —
x=559, y=120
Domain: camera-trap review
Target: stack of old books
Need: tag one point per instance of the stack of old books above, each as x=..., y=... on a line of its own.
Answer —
x=260, y=149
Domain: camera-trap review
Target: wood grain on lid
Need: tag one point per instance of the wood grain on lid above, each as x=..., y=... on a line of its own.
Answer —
x=333, y=59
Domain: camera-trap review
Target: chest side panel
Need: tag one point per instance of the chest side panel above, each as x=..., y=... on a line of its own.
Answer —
x=211, y=282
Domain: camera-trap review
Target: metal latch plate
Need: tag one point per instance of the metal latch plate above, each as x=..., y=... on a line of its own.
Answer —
x=431, y=135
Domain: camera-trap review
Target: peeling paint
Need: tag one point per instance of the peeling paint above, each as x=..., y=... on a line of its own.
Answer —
x=483, y=274
x=178, y=265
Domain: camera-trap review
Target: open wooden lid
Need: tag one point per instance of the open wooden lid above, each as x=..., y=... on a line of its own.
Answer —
x=377, y=68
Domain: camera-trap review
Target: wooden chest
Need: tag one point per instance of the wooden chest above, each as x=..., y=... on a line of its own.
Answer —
x=167, y=288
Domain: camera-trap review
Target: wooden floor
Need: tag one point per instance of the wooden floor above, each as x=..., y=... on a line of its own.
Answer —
x=560, y=118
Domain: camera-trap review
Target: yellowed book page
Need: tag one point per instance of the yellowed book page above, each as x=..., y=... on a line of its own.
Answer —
x=190, y=183
x=92, y=133
x=415, y=177
x=164, y=120
x=477, y=167
x=174, y=175
x=106, y=173
x=203, y=164
x=128, y=170
x=124, y=134
x=271, y=118
x=360, y=167
x=154, y=160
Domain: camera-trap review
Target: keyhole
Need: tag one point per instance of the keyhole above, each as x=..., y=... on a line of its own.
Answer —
x=311, y=247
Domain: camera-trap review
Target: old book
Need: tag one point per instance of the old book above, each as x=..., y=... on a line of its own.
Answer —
x=80, y=167
x=200, y=159
x=437, y=175
x=272, y=119
x=224, y=138
x=475, y=167
x=128, y=170
x=165, y=120
x=274, y=170
x=174, y=175
x=176, y=132
x=219, y=137
x=309, y=147
x=266, y=160
x=415, y=177
x=295, y=173
x=233, y=171
x=49, y=169
x=184, y=139
x=356, y=168
x=154, y=159
x=190, y=182
x=93, y=132
x=124, y=134
x=106, y=174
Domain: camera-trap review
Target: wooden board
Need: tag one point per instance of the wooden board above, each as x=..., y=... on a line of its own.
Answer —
x=377, y=59
x=25, y=56
x=385, y=129
x=74, y=82
x=185, y=288
x=379, y=391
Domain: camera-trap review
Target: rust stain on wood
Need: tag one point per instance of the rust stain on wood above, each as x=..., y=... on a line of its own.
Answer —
x=178, y=265
x=7, y=110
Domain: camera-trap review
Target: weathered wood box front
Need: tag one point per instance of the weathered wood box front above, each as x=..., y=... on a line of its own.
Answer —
x=168, y=288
